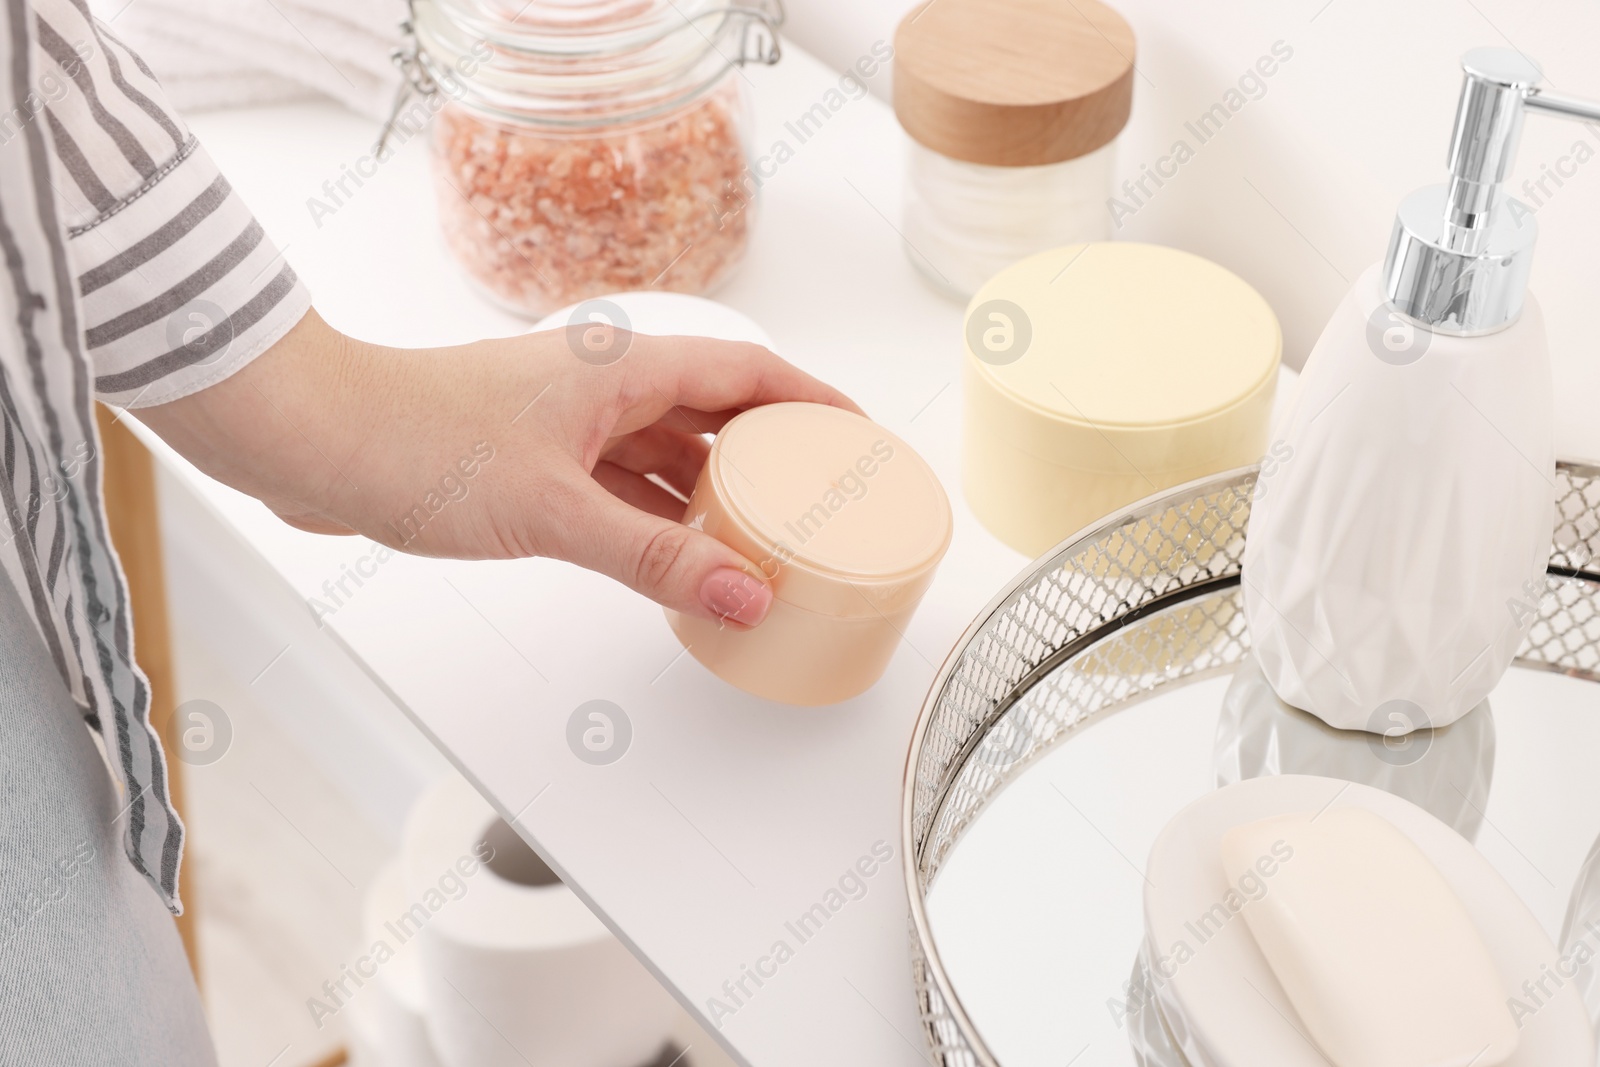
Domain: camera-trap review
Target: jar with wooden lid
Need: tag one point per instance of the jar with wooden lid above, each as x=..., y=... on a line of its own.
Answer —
x=589, y=148
x=1013, y=107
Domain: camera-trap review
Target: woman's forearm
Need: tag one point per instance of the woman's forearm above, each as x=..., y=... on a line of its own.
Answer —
x=270, y=429
x=340, y=436
x=502, y=448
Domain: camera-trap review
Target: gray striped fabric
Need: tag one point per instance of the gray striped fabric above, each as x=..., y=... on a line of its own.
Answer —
x=130, y=273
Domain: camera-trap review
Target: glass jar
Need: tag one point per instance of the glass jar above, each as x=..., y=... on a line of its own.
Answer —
x=584, y=147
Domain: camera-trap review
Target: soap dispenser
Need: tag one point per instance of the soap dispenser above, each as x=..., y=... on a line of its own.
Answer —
x=1397, y=547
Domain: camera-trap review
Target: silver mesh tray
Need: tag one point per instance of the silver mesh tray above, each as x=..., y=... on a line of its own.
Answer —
x=1059, y=649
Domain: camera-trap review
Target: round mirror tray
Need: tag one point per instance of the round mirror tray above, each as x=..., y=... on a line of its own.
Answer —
x=1110, y=687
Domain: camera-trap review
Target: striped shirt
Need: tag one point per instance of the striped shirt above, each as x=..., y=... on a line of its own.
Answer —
x=132, y=274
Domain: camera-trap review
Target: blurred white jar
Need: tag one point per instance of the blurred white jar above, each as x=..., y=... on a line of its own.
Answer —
x=1013, y=110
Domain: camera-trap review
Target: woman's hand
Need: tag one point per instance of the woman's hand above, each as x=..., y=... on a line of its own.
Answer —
x=540, y=445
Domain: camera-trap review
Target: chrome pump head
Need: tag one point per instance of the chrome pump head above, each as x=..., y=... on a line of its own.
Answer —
x=1459, y=257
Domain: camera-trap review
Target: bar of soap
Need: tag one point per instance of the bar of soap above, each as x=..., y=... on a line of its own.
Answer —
x=1376, y=952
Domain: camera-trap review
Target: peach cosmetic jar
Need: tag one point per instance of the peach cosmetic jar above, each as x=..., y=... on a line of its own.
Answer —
x=846, y=523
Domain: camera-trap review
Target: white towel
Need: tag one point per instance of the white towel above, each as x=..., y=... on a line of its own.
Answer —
x=227, y=53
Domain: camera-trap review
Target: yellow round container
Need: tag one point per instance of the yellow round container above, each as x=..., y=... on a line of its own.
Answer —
x=1097, y=374
x=846, y=522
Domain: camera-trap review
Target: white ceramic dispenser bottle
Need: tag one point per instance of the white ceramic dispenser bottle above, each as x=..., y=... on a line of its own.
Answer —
x=1397, y=548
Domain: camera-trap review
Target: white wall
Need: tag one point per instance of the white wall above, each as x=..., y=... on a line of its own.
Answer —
x=1297, y=193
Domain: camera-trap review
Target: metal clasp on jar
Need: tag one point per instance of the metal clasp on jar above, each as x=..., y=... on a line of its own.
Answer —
x=758, y=43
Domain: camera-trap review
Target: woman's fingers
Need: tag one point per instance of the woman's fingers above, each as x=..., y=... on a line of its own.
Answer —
x=701, y=374
x=695, y=421
x=639, y=491
x=312, y=523
x=676, y=456
x=677, y=567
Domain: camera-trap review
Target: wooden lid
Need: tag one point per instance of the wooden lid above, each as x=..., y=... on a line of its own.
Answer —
x=1013, y=82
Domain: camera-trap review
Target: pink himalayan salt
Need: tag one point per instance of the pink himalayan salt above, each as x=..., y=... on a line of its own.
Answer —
x=542, y=220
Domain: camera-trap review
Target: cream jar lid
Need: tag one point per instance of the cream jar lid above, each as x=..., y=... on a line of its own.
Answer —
x=1013, y=83
x=1102, y=355
x=843, y=517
